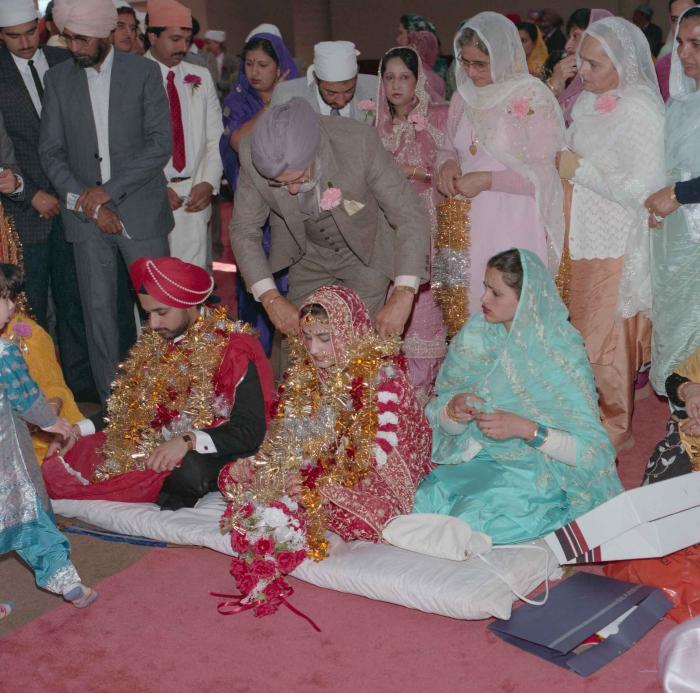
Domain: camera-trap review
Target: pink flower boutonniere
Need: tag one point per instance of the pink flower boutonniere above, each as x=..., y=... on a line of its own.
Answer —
x=194, y=80
x=420, y=122
x=22, y=329
x=368, y=107
x=331, y=198
x=520, y=108
x=606, y=103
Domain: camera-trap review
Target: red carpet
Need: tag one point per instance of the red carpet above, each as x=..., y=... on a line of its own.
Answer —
x=155, y=628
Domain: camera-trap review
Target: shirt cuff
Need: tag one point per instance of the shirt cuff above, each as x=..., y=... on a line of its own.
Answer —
x=560, y=446
x=203, y=443
x=260, y=287
x=86, y=427
x=20, y=189
x=407, y=280
x=450, y=426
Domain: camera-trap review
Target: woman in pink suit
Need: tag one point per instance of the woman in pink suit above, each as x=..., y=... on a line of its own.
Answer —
x=411, y=124
x=503, y=132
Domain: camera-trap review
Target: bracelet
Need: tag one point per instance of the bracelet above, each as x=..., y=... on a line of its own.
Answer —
x=189, y=440
x=428, y=178
x=539, y=438
x=404, y=288
x=449, y=411
x=267, y=305
x=413, y=175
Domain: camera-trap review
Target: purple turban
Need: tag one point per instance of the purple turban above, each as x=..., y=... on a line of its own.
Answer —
x=286, y=138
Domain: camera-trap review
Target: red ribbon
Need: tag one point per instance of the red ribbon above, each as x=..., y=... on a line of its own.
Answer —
x=233, y=606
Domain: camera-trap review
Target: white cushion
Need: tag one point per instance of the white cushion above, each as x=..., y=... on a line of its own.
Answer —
x=468, y=589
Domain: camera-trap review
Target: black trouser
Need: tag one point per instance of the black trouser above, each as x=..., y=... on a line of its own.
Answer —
x=51, y=264
x=187, y=483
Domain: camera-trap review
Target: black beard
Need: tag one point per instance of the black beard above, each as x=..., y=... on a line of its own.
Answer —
x=86, y=61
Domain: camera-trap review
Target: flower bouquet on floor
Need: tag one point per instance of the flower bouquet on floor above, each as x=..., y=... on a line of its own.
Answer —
x=269, y=542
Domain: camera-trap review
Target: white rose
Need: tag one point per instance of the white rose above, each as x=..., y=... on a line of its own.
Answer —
x=274, y=517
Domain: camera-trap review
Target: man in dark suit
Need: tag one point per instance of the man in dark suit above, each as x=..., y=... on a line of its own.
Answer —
x=104, y=141
x=48, y=257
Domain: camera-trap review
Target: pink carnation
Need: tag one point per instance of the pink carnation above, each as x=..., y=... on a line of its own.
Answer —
x=606, y=103
x=520, y=108
x=419, y=121
x=246, y=582
x=194, y=80
x=330, y=199
x=287, y=561
x=367, y=105
x=22, y=329
x=267, y=608
x=263, y=546
x=239, y=542
x=238, y=568
x=263, y=570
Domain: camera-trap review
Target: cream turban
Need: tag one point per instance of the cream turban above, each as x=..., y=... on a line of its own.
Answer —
x=334, y=61
x=96, y=18
x=168, y=13
x=17, y=12
x=215, y=35
x=285, y=138
x=264, y=29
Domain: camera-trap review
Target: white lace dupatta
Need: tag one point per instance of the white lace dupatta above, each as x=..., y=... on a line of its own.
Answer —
x=622, y=149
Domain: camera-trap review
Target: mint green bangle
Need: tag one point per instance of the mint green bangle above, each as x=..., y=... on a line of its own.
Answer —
x=540, y=437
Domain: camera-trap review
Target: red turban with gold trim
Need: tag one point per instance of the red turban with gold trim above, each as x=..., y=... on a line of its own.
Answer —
x=171, y=281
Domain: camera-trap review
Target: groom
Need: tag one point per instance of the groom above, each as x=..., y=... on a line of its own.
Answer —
x=341, y=212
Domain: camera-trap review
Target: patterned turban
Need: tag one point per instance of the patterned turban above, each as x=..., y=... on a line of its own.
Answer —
x=171, y=282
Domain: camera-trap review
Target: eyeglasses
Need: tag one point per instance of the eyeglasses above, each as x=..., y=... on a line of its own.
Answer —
x=82, y=41
x=478, y=65
x=303, y=178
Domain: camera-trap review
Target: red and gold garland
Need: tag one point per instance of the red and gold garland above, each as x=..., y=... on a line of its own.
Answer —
x=160, y=382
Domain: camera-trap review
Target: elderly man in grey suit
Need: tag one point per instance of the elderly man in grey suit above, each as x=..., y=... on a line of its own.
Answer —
x=341, y=212
x=333, y=86
x=105, y=139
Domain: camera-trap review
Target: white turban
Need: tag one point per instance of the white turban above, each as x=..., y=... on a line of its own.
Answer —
x=215, y=35
x=264, y=29
x=95, y=19
x=17, y=12
x=119, y=4
x=334, y=61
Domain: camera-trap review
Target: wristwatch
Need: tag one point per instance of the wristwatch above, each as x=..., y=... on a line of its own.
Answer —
x=190, y=440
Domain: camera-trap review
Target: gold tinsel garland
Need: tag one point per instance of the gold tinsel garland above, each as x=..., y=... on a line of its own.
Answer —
x=453, y=238
x=159, y=381
x=345, y=454
x=11, y=254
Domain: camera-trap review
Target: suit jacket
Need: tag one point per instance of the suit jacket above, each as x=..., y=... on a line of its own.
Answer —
x=205, y=128
x=390, y=232
x=22, y=125
x=8, y=160
x=366, y=88
x=139, y=144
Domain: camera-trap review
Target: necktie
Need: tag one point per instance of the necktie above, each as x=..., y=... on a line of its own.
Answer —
x=335, y=111
x=176, y=124
x=37, y=80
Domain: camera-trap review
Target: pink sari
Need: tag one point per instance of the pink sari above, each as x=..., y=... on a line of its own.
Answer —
x=414, y=142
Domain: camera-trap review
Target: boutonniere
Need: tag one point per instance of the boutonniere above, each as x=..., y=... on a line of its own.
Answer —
x=520, y=108
x=331, y=198
x=194, y=80
x=420, y=122
x=368, y=107
x=606, y=103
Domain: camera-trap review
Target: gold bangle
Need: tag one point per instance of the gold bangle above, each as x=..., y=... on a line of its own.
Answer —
x=404, y=288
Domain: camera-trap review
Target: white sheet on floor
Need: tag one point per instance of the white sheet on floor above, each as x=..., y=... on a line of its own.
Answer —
x=460, y=589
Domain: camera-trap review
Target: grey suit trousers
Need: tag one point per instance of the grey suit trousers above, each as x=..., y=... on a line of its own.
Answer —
x=96, y=261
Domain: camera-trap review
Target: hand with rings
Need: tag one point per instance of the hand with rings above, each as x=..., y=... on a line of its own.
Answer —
x=659, y=205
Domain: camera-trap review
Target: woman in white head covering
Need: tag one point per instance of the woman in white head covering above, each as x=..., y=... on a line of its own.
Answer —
x=676, y=242
x=615, y=159
x=504, y=129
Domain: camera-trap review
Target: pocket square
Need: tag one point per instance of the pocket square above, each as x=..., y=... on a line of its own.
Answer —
x=353, y=206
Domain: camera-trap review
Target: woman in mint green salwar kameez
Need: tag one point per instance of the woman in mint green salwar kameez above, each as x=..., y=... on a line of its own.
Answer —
x=516, y=427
